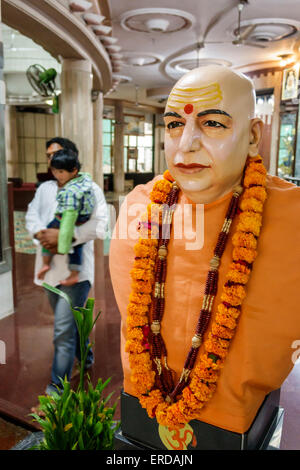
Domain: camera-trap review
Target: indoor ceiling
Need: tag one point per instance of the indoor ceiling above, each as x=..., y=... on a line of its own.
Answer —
x=159, y=43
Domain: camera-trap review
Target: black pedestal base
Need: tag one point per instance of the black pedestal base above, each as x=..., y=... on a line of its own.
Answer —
x=139, y=432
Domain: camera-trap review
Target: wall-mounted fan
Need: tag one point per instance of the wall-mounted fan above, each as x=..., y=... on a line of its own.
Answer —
x=42, y=81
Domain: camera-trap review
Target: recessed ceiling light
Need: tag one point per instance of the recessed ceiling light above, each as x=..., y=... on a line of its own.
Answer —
x=140, y=59
x=156, y=20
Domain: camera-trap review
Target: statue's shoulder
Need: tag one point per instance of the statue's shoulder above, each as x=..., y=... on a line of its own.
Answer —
x=282, y=189
x=282, y=204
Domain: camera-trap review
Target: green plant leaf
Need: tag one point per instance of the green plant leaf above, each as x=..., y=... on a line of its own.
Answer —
x=98, y=428
x=58, y=292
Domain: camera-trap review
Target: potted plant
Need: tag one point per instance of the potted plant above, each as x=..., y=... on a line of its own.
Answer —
x=78, y=419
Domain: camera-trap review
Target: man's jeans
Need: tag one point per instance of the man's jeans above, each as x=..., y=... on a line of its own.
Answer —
x=66, y=338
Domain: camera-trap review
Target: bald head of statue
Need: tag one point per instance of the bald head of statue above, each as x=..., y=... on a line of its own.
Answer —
x=210, y=129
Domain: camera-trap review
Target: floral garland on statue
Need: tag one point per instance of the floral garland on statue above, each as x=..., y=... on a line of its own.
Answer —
x=147, y=354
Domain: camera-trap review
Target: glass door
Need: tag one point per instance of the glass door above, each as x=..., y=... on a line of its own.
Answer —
x=287, y=141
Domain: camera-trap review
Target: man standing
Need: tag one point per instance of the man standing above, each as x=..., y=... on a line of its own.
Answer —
x=40, y=212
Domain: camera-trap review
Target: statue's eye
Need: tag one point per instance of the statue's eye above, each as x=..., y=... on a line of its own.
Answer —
x=174, y=124
x=211, y=123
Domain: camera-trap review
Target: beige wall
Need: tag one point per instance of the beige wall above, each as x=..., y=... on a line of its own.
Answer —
x=33, y=130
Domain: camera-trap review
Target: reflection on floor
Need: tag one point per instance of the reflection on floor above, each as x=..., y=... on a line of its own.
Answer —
x=28, y=338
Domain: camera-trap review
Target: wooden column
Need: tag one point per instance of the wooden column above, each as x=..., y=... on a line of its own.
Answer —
x=11, y=142
x=98, y=159
x=77, y=109
x=119, y=176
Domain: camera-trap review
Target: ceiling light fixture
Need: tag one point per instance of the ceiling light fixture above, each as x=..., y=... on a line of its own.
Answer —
x=157, y=25
x=156, y=20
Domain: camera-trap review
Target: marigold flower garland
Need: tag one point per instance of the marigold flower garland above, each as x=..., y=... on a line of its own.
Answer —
x=196, y=389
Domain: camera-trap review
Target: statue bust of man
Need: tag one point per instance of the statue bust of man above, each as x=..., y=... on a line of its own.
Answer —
x=221, y=315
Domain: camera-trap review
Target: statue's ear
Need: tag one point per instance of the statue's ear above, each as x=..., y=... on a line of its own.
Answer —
x=256, y=130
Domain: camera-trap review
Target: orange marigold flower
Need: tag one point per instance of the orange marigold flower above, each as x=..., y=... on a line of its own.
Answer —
x=188, y=404
x=151, y=402
x=142, y=383
x=140, y=369
x=160, y=191
x=161, y=413
x=244, y=254
x=143, y=287
x=241, y=268
x=225, y=320
x=144, y=299
x=258, y=192
x=167, y=175
x=233, y=294
x=214, y=347
x=151, y=243
x=144, y=251
x=247, y=240
x=230, y=311
x=207, y=362
x=202, y=391
x=257, y=166
x=144, y=263
x=206, y=373
x=136, y=320
x=249, y=222
x=144, y=274
x=221, y=331
x=254, y=177
x=159, y=197
x=135, y=334
x=135, y=309
x=175, y=417
x=163, y=185
x=138, y=360
x=251, y=204
x=234, y=275
x=134, y=347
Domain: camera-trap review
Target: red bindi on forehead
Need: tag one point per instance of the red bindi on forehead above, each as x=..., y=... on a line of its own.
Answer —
x=188, y=109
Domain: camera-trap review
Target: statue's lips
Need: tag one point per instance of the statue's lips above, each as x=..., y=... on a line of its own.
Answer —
x=191, y=167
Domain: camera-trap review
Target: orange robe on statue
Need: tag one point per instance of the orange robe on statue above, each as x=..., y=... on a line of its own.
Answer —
x=260, y=354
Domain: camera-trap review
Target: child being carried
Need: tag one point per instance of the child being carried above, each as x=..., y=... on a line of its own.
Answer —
x=75, y=203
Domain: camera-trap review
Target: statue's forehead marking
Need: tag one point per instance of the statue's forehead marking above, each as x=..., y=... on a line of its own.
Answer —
x=207, y=95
